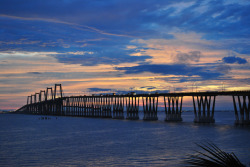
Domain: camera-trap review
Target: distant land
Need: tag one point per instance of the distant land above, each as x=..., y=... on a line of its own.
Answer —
x=6, y=111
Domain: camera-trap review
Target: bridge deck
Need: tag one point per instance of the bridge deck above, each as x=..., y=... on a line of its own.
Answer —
x=215, y=93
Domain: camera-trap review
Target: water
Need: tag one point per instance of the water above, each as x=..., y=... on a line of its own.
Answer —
x=26, y=140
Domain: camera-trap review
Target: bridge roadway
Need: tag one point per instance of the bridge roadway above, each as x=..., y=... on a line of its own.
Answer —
x=208, y=93
x=51, y=102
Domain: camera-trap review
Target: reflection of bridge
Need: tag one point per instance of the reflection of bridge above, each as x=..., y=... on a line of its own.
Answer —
x=51, y=102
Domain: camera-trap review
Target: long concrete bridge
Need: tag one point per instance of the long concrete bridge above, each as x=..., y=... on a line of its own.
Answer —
x=52, y=102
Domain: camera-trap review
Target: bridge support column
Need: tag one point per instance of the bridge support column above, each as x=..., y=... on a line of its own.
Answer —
x=173, y=108
x=72, y=107
x=132, y=106
x=28, y=108
x=67, y=107
x=74, y=102
x=118, y=108
x=203, y=114
x=84, y=107
x=58, y=107
x=244, y=110
x=81, y=108
x=150, y=106
x=97, y=107
x=88, y=107
x=107, y=107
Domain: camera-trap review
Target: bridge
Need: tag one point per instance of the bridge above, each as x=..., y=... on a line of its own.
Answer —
x=52, y=102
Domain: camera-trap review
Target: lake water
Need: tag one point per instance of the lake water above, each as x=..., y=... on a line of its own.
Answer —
x=26, y=140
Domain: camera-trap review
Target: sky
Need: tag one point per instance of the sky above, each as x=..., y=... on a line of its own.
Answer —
x=96, y=46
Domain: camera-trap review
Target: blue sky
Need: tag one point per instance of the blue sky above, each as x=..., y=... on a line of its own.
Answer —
x=93, y=46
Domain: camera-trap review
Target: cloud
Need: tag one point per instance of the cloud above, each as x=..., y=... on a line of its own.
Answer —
x=99, y=90
x=193, y=56
x=78, y=42
x=234, y=60
x=36, y=73
x=74, y=25
x=223, y=68
x=112, y=58
x=175, y=69
x=140, y=90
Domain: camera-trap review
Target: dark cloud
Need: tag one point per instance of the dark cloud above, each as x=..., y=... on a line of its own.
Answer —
x=138, y=91
x=188, y=57
x=95, y=59
x=57, y=25
x=99, y=90
x=223, y=68
x=141, y=18
x=35, y=73
x=177, y=69
x=233, y=59
x=246, y=81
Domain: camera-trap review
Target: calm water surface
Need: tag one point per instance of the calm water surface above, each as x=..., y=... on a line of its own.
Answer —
x=26, y=140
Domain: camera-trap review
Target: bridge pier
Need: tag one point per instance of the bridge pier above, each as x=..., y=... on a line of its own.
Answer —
x=58, y=110
x=67, y=106
x=76, y=104
x=97, y=106
x=150, y=106
x=118, y=108
x=81, y=106
x=132, y=106
x=88, y=107
x=49, y=101
x=244, y=110
x=106, y=102
x=173, y=108
x=74, y=107
x=204, y=115
x=28, y=106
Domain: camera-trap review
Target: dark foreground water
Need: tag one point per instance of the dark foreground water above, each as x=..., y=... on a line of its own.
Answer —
x=26, y=140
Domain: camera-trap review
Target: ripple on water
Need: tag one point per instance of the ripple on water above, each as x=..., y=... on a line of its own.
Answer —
x=66, y=141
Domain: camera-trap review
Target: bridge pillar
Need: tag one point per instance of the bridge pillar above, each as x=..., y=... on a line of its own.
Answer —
x=81, y=106
x=89, y=107
x=203, y=114
x=67, y=107
x=37, y=104
x=107, y=107
x=75, y=107
x=78, y=107
x=58, y=107
x=70, y=107
x=96, y=106
x=75, y=111
x=118, y=108
x=41, y=101
x=84, y=106
x=132, y=106
x=49, y=101
x=244, y=110
x=150, y=106
x=60, y=91
x=173, y=108
x=29, y=102
x=32, y=104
